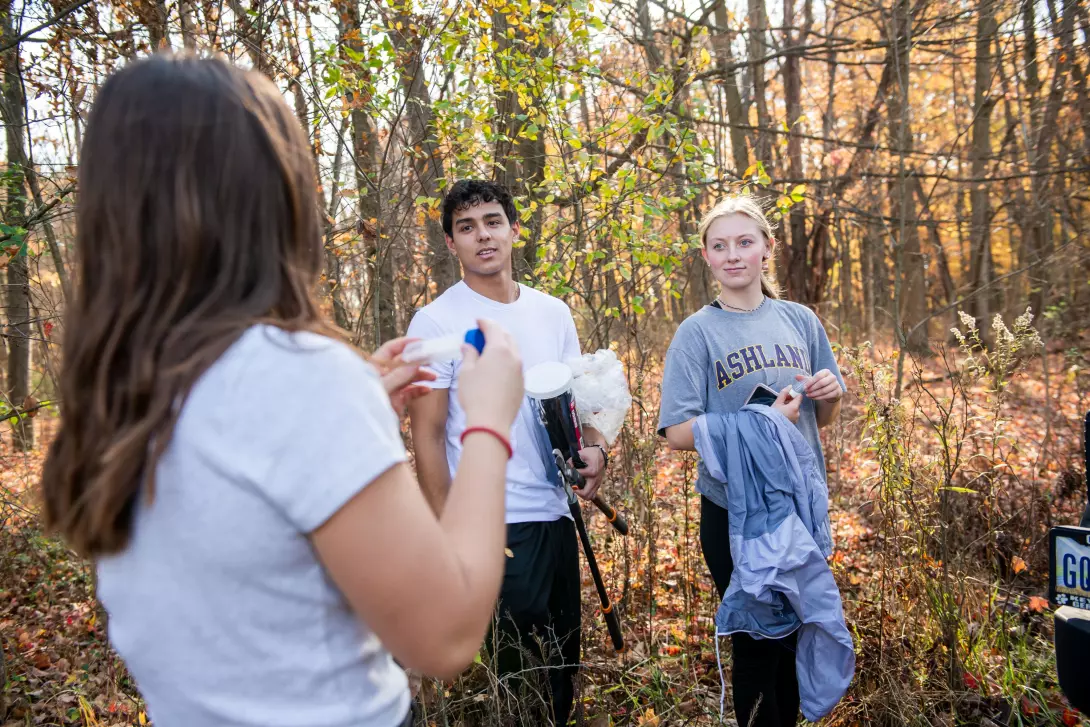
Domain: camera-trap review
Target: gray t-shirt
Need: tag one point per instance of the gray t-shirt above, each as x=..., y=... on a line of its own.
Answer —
x=219, y=604
x=718, y=356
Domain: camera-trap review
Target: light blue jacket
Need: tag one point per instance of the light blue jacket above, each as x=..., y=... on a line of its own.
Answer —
x=779, y=540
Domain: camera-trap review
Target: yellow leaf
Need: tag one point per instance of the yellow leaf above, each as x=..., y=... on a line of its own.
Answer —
x=142, y=718
x=508, y=553
x=87, y=712
x=649, y=718
x=705, y=58
x=1018, y=564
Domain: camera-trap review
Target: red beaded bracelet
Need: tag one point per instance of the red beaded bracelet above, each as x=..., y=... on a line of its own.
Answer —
x=487, y=430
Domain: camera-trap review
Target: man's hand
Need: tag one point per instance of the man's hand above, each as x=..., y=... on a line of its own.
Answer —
x=401, y=380
x=595, y=460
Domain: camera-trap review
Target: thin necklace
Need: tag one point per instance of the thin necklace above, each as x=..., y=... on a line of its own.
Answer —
x=741, y=310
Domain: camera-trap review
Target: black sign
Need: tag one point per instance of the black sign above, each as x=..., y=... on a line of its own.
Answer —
x=1069, y=567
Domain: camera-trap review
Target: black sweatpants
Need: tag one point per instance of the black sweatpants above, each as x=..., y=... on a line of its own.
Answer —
x=538, y=615
x=766, y=687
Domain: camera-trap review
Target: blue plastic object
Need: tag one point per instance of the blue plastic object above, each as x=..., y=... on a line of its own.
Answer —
x=475, y=338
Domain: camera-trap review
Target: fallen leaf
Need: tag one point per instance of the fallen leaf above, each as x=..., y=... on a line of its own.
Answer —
x=1017, y=564
x=1029, y=707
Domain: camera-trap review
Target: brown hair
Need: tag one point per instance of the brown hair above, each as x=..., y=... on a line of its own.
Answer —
x=744, y=204
x=197, y=218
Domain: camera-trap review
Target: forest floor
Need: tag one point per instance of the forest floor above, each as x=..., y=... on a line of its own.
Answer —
x=61, y=671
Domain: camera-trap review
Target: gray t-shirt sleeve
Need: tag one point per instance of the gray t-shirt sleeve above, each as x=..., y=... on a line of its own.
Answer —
x=684, y=380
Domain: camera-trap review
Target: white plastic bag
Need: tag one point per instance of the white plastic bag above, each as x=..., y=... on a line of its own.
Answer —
x=601, y=392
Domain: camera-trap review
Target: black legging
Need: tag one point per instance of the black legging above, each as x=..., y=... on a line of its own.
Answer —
x=763, y=669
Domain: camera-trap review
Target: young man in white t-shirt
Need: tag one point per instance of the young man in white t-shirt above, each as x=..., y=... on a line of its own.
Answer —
x=540, y=597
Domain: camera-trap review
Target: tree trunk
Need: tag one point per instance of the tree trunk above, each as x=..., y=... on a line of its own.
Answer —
x=1078, y=76
x=910, y=283
x=1041, y=223
x=948, y=287
x=189, y=28
x=878, y=311
x=844, y=276
x=154, y=14
x=251, y=33
x=532, y=154
x=520, y=149
x=3, y=682
x=980, y=256
x=50, y=234
x=757, y=46
x=796, y=251
x=736, y=115
x=365, y=152
x=18, y=287
x=333, y=277
x=427, y=158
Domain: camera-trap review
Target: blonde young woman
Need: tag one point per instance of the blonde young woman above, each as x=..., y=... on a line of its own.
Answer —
x=745, y=337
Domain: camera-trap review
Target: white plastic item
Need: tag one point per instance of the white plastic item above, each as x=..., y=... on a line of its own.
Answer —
x=434, y=350
x=548, y=379
x=601, y=392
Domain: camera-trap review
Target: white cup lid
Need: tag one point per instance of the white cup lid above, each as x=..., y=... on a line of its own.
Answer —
x=548, y=379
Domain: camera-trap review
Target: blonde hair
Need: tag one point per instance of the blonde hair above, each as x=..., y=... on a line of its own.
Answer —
x=744, y=204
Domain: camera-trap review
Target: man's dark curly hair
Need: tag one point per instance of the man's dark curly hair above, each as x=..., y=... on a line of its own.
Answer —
x=472, y=192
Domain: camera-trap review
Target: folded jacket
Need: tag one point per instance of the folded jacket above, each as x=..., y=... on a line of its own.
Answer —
x=778, y=506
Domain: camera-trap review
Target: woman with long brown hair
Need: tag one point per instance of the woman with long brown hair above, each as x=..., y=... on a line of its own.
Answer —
x=236, y=472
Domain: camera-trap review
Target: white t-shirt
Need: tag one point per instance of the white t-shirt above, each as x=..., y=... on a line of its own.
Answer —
x=545, y=331
x=219, y=604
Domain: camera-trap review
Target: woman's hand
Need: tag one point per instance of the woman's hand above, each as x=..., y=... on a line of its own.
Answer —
x=788, y=405
x=490, y=385
x=401, y=380
x=822, y=386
